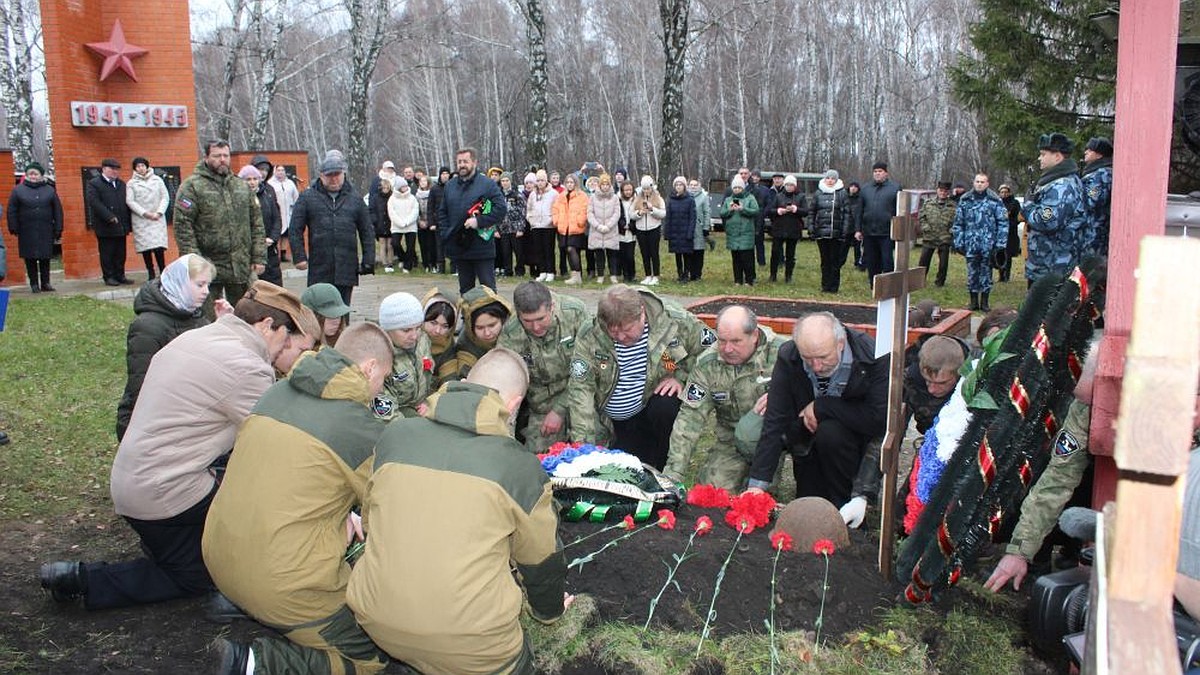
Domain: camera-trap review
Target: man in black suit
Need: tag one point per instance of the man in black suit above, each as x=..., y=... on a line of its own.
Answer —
x=110, y=220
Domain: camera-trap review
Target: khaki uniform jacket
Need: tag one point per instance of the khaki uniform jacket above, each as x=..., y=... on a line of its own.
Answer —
x=935, y=219
x=410, y=382
x=549, y=357
x=275, y=536
x=1053, y=489
x=219, y=218
x=453, y=501
x=714, y=386
x=676, y=339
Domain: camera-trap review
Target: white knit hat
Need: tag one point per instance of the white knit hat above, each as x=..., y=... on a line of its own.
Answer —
x=400, y=310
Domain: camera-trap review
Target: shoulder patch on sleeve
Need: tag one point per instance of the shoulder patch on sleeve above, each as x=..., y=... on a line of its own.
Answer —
x=1047, y=213
x=708, y=337
x=383, y=406
x=185, y=203
x=1065, y=444
x=695, y=392
x=579, y=369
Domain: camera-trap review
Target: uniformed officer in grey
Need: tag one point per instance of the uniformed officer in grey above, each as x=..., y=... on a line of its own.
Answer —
x=730, y=380
x=543, y=332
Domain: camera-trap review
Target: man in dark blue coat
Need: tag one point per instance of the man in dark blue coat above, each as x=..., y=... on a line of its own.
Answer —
x=337, y=222
x=875, y=224
x=110, y=220
x=471, y=208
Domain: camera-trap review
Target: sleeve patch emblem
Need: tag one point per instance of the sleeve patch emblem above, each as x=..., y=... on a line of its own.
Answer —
x=695, y=392
x=383, y=406
x=1047, y=214
x=185, y=203
x=579, y=369
x=708, y=337
x=720, y=396
x=1065, y=444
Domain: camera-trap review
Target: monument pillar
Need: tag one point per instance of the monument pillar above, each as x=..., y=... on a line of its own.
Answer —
x=120, y=84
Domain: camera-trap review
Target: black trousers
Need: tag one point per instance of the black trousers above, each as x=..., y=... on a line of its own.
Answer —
x=833, y=256
x=877, y=255
x=173, y=566
x=404, y=248
x=829, y=468
x=743, y=266
x=696, y=267
x=505, y=248
x=647, y=240
x=943, y=253
x=783, y=252
x=760, y=241
x=272, y=272
x=427, y=239
x=157, y=255
x=682, y=265
x=613, y=257
x=543, y=249
x=37, y=271
x=475, y=272
x=647, y=435
x=628, y=266
x=112, y=257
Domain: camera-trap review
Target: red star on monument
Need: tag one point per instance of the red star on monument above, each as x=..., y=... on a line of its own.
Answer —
x=117, y=53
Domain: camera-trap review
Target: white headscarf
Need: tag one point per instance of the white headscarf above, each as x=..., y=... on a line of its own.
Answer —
x=175, y=282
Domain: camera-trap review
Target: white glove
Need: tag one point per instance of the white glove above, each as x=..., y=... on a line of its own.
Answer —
x=854, y=511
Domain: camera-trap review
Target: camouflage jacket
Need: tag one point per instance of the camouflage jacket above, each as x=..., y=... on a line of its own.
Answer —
x=676, y=338
x=729, y=391
x=1048, y=496
x=1054, y=216
x=935, y=218
x=1097, y=179
x=548, y=357
x=219, y=218
x=980, y=224
x=408, y=385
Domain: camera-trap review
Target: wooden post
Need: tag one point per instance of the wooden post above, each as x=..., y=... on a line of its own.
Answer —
x=1154, y=432
x=895, y=286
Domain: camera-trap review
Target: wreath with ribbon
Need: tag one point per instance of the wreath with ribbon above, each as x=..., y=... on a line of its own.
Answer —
x=599, y=484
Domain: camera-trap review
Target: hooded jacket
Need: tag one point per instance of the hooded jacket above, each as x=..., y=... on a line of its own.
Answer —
x=548, y=357
x=442, y=348
x=275, y=535
x=409, y=383
x=454, y=502
x=679, y=227
x=158, y=321
x=468, y=349
x=570, y=213
x=604, y=217
x=831, y=217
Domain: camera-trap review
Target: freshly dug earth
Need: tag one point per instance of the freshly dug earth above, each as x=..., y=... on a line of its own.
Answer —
x=790, y=309
x=38, y=635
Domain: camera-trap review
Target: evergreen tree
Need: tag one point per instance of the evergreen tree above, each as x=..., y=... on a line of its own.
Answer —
x=1039, y=66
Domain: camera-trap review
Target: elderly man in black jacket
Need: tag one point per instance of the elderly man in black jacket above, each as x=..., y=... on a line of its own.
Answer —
x=874, y=228
x=110, y=220
x=472, y=206
x=337, y=222
x=827, y=406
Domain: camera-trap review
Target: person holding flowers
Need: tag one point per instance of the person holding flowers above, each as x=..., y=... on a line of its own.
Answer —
x=729, y=381
x=454, y=505
x=276, y=533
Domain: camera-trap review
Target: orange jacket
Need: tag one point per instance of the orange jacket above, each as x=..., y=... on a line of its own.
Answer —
x=569, y=212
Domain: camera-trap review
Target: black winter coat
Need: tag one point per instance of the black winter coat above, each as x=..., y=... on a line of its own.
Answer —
x=377, y=203
x=157, y=323
x=1013, y=207
x=878, y=207
x=788, y=225
x=862, y=407
x=35, y=216
x=337, y=225
x=679, y=227
x=458, y=197
x=106, y=204
x=272, y=224
x=831, y=215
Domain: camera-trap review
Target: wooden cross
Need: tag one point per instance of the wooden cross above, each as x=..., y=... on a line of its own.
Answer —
x=895, y=287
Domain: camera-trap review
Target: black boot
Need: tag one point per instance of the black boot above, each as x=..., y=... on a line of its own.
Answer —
x=34, y=287
x=64, y=580
x=231, y=657
x=983, y=301
x=974, y=301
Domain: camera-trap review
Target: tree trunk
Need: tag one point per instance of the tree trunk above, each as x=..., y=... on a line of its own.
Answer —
x=269, y=67
x=16, y=76
x=224, y=121
x=535, y=38
x=369, y=22
x=674, y=14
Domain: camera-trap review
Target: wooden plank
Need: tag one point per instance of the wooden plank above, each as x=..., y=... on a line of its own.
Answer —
x=1153, y=439
x=898, y=284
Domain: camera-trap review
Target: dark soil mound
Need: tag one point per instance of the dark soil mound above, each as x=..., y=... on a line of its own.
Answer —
x=791, y=309
x=624, y=578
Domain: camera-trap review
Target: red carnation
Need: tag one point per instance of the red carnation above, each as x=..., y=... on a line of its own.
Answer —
x=704, y=525
x=666, y=519
x=744, y=525
x=427, y=364
x=823, y=547
x=781, y=541
x=708, y=497
x=755, y=506
x=627, y=523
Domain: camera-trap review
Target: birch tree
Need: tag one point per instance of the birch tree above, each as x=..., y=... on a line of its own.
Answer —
x=370, y=26
x=674, y=15
x=16, y=77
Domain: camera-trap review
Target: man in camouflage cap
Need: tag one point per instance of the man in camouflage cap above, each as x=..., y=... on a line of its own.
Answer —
x=627, y=371
x=730, y=379
x=543, y=332
x=218, y=217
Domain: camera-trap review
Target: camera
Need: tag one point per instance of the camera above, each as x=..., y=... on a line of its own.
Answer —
x=1058, y=610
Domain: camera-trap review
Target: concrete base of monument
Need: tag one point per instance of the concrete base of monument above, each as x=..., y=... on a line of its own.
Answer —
x=780, y=315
